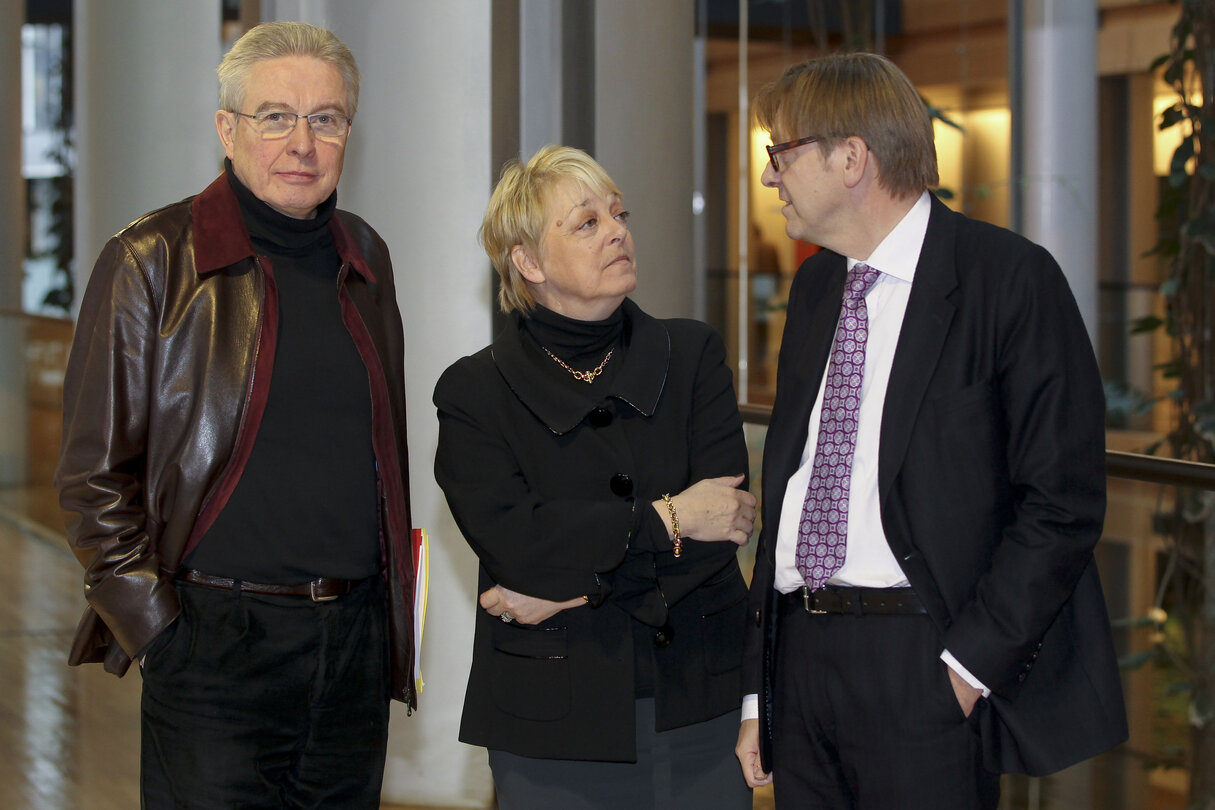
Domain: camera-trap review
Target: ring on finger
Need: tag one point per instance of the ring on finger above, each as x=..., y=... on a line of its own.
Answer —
x=506, y=617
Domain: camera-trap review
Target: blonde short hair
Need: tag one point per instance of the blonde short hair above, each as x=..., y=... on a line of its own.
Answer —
x=272, y=40
x=517, y=208
x=862, y=94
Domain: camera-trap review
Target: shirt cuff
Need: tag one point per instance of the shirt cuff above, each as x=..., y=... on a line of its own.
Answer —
x=957, y=667
x=750, y=708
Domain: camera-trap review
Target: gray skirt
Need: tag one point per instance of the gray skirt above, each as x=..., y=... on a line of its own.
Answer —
x=693, y=767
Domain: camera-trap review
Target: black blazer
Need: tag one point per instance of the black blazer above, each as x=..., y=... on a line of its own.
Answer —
x=552, y=489
x=991, y=474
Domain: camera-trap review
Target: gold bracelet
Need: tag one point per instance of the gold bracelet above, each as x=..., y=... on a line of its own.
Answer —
x=676, y=539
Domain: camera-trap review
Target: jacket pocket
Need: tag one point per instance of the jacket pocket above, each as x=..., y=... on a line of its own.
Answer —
x=531, y=678
x=721, y=634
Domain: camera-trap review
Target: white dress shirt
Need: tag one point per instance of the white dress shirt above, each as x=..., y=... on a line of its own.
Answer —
x=868, y=560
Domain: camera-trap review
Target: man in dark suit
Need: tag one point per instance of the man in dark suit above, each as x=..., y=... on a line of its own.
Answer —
x=926, y=609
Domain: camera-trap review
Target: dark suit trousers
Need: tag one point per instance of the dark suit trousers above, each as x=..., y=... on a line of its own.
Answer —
x=866, y=718
x=267, y=702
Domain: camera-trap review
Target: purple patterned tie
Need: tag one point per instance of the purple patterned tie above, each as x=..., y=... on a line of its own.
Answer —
x=824, y=527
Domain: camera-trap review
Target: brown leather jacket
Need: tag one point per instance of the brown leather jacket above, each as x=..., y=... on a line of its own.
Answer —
x=165, y=388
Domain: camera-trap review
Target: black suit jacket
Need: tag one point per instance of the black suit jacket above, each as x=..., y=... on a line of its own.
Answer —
x=552, y=488
x=991, y=478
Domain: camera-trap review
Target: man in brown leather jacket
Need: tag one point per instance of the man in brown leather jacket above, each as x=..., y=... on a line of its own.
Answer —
x=234, y=471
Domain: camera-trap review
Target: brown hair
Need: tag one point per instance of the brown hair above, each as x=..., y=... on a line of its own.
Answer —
x=862, y=94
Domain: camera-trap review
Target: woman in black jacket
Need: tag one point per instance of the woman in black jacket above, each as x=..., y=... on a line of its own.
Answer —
x=593, y=457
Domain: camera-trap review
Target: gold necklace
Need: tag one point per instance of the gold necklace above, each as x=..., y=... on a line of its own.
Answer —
x=584, y=376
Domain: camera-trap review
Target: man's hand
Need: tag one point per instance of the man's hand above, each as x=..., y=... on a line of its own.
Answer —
x=966, y=694
x=523, y=609
x=747, y=752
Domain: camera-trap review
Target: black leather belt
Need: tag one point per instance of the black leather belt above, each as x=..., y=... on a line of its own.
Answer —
x=855, y=601
x=318, y=590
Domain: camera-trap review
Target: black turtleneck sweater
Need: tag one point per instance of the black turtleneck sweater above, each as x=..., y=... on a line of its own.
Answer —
x=306, y=503
x=581, y=344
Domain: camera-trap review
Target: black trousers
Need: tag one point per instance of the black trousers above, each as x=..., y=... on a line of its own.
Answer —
x=866, y=718
x=267, y=702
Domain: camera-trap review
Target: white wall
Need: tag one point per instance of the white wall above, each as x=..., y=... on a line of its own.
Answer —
x=146, y=96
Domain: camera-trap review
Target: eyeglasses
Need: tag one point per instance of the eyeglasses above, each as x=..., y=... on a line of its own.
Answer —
x=280, y=123
x=776, y=148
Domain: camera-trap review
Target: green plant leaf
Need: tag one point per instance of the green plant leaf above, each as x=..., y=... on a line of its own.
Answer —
x=1175, y=72
x=1181, y=156
x=1172, y=201
x=1179, y=688
x=1123, y=400
x=1202, y=231
x=1134, y=622
x=1148, y=323
x=1136, y=660
x=937, y=114
x=1171, y=370
x=1172, y=116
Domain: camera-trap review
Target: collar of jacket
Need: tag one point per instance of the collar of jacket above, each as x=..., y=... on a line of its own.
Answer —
x=638, y=383
x=221, y=238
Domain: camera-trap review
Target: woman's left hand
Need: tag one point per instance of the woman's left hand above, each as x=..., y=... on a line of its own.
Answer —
x=712, y=510
x=503, y=602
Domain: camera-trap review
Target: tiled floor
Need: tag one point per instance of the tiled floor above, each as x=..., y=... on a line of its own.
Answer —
x=69, y=736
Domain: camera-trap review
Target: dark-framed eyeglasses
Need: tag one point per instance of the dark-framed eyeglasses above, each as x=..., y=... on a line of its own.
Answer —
x=776, y=148
x=280, y=123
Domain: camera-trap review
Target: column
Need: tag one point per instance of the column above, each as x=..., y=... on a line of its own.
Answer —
x=1060, y=140
x=540, y=61
x=146, y=96
x=1060, y=161
x=13, y=405
x=643, y=136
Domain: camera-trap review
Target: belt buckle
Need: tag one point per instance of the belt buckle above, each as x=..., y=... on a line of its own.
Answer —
x=315, y=598
x=806, y=602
